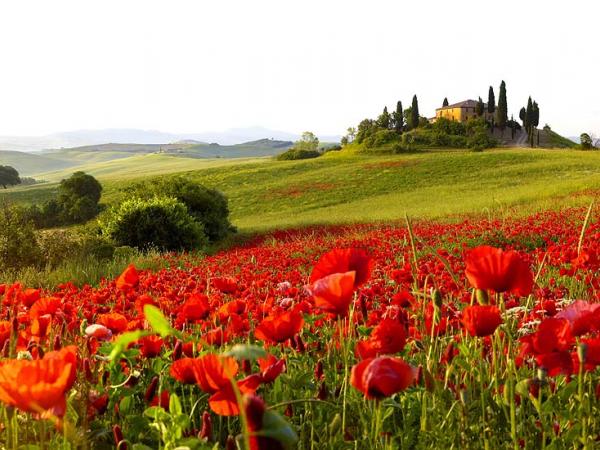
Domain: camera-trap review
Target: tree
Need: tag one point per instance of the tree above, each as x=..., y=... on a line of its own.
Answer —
x=308, y=141
x=502, y=112
x=523, y=116
x=398, y=118
x=414, y=113
x=78, y=197
x=479, y=108
x=491, y=106
x=586, y=141
x=445, y=102
x=351, y=133
x=384, y=119
x=535, y=115
x=9, y=176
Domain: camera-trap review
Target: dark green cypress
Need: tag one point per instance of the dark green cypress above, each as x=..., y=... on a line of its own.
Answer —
x=399, y=118
x=445, y=102
x=479, y=108
x=502, y=113
x=414, y=118
x=491, y=106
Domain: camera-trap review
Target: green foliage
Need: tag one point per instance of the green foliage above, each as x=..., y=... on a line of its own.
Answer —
x=384, y=120
x=207, y=206
x=18, y=245
x=502, y=112
x=398, y=118
x=308, y=142
x=293, y=154
x=414, y=113
x=161, y=222
x=491, y=106
x=9, y=176
x=586, y=141
x=478, y=137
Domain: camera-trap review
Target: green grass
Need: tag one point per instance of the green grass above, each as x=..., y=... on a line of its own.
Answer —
x=340, y=187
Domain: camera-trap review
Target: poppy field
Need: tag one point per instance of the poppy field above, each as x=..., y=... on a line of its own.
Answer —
x=477, y=334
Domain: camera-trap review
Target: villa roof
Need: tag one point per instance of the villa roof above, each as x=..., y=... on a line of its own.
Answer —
x=463, y=104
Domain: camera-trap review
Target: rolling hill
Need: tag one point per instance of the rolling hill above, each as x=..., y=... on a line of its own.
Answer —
x=31, y=163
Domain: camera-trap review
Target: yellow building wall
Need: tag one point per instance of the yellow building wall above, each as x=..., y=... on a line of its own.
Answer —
x=460, y=114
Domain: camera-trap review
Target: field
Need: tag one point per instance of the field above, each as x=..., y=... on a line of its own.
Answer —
x=360, y=336
x=441, y=299
x=340, y=188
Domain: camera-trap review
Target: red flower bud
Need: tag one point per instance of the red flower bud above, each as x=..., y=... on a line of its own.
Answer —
x=118, y=435
x=206, y=431
x=151, y=391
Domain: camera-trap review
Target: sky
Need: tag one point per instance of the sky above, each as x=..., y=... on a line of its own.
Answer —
x=192, y=66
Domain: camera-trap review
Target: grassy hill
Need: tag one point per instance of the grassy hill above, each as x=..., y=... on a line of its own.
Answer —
x=30, y=163
x=341, y=187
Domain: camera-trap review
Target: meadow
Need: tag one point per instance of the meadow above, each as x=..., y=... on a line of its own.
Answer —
x=342, y=187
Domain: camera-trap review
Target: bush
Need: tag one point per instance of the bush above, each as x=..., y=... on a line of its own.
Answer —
x=163, y=223
x=207, y=206
x=18, y=244
x=293, y=154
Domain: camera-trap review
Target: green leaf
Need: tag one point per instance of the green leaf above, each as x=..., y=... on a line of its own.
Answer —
x=174, y=405
x=123, y=341
x=246, y=351
x=125, y=405
x=156, y=413
x=158, y=321
x=275, y=426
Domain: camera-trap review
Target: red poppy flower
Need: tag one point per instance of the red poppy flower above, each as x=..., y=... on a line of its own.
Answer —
x=214, y=375
x=43, y=306
x=581, y=315
x=333, y=293
x=270, y=368
x=552, y=335
x=280, y=327
x=382, y=377
x=386, y=338
x=226, y=285
x=39, y=386
x=183, y=370
x=341, y=261
x=115, y=322
x=481, y=320
x=151, y=346
x=196, y=307
x=129, y=279
x=498, y=270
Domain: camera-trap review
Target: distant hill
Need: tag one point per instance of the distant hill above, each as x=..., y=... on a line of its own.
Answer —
x=30, y=163
x=82, y=138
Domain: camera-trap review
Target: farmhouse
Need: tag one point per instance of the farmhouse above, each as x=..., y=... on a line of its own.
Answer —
x=461, y=111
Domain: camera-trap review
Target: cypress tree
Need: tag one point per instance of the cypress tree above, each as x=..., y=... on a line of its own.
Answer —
x=399, y=118
x=529, y=115
x=445, y=102
x=383, y=121
x=536, y=114
x=502, y=113
x=522, y=116
x=491, y=106
x=414, y=117
x=479, y=108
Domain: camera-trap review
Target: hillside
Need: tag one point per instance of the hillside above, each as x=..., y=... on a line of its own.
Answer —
x=338, y=187
x=30, y=163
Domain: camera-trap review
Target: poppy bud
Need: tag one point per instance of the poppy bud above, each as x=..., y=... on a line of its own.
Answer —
x=57, y=345
x=254, y=407
x=289, y=410
x=177, y=350
x=323, y=392
x=118, y=435
x=206, y=431
x=246, y=367
x=151, y=391
x=299, y=343
x=319, y=370
x=87, y=369
x=482, y=297
x=230, y=443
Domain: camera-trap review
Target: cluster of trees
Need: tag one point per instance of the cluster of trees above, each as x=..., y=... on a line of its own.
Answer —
x=530, y=116
x=9, y=176
x=78, y=201
x=169, y=214
x=306, y=147
x=588, y=141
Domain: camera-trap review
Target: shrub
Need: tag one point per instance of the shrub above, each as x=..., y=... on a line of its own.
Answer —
x=18, y=244
x=207, y=206
x=449, y=126
x=293, y=154
x=161, y=222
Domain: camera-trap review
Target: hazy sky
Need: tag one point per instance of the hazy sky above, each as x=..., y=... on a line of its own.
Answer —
x=199, y=65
